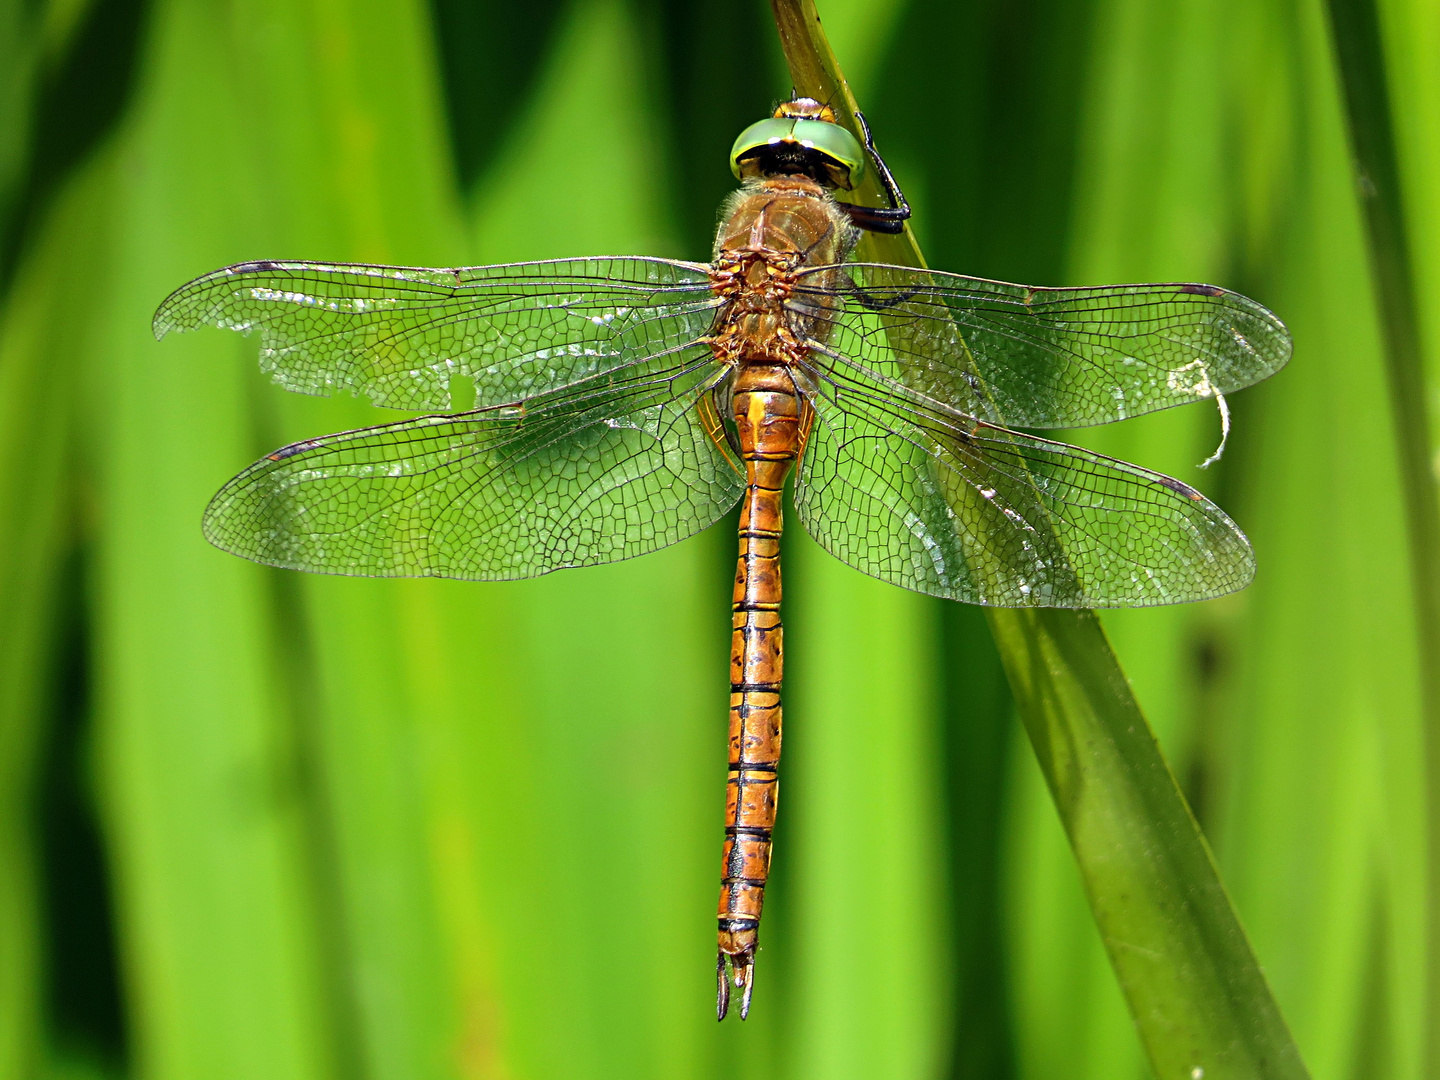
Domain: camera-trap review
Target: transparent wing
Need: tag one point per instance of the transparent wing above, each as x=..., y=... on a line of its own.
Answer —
x=923, y=497
x=396, y=335
x=615, y=466
x=1046, y=358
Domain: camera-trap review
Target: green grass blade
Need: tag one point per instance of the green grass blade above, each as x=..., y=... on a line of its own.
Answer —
x=1199, y=998
x=1360, y=54
x=41, y=336
x=1313, y=741
x=222, y=892
x=1131, y=831
x=19, y=49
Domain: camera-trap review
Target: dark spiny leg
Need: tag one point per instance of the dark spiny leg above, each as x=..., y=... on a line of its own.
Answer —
x=876, y=218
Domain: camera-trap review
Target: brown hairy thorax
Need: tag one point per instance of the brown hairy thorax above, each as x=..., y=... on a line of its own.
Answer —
x=772, y=229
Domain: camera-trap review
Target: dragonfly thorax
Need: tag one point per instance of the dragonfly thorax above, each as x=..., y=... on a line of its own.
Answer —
x=786, y=214
x=772, y=232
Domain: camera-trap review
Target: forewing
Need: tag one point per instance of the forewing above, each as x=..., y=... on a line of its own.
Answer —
x=396, y=335
x=602, y=471
x=1048, y=358
x=931, y=500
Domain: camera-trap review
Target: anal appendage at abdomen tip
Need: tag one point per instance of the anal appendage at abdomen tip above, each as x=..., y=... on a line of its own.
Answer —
x=741, y=975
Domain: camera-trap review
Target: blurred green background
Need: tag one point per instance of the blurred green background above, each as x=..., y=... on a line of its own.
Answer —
x=260, y=825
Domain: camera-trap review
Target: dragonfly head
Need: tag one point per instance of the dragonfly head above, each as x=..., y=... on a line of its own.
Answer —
x=802, y=137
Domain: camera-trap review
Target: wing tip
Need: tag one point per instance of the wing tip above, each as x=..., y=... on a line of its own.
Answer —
x=171, y=315
x=167, y=317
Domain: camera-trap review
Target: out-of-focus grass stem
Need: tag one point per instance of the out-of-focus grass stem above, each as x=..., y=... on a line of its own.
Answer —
x=1360, y=57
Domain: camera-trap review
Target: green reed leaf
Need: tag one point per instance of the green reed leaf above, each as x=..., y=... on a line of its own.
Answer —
x=42, y=331
x=1361, y=61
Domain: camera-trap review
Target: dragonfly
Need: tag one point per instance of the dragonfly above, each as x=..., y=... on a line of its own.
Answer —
x=623, y=404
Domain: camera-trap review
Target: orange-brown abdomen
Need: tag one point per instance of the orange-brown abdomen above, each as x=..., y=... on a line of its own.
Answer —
x=775, y=229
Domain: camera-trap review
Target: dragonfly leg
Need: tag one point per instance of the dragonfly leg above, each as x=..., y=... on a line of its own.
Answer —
x=880, y=219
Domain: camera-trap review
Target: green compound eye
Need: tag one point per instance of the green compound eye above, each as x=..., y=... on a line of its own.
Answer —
x=844, y=158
